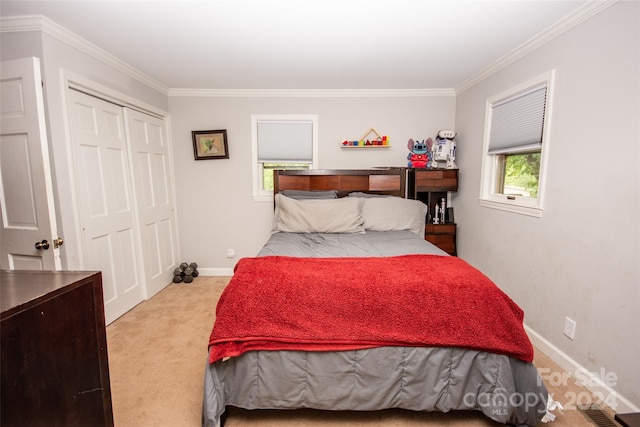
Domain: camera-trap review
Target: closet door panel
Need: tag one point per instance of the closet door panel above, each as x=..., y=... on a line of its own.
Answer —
x=148, y=143
x=110, y=230
x=167, y=253
x=161, y=184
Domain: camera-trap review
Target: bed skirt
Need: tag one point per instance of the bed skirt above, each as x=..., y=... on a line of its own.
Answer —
x=505, y=389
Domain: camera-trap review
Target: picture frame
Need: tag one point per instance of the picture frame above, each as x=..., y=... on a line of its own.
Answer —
x=210, y=144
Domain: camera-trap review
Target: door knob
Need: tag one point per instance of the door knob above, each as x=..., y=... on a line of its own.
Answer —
x=58, y=242
x=42, y=245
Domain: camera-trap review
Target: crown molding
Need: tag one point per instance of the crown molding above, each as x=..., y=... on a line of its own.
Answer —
x=580, y=15
x=312, y=93
x=41, y=23
x=47, y=26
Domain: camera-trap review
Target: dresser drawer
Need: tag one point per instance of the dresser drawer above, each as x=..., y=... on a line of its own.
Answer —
x=441, y=239
x=449, y=248
x=443, y=236
x=436, y=180
x=440, y=229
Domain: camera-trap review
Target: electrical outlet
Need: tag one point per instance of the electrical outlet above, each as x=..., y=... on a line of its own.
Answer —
x=231, y=253
x=569, y=327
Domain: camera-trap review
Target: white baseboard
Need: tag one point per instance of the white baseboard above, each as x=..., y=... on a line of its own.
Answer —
x=592, y=381
x=215, y=271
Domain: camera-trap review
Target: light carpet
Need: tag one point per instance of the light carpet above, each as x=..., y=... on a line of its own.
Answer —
x=158, y=353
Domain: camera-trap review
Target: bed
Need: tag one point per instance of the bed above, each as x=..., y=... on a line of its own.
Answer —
x=347, y=307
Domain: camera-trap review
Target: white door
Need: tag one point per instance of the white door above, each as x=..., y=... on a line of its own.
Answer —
x=28, y=238
x=110, y=233
x=147, y=138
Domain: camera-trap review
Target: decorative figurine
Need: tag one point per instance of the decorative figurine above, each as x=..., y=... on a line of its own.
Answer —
x=444, y=154
x=419, y=153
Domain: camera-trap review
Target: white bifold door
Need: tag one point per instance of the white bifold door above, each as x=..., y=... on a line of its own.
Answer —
x=125, y=200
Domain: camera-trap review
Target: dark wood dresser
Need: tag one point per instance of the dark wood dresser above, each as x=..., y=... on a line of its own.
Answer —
x=55, y=370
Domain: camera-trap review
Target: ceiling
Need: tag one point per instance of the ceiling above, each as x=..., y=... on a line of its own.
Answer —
x=304, y=44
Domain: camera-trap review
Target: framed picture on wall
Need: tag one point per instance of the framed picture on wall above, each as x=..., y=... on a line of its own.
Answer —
x=210, y=144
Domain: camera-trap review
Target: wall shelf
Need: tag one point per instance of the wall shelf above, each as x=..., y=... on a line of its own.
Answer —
x=379, y=142
x=366, y=146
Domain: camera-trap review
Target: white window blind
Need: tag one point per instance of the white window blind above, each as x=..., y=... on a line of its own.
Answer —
x=517, y=122
x=285, y=141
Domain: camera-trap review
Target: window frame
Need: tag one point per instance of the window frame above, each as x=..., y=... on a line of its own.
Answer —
x=259, y=193
x=491, y=164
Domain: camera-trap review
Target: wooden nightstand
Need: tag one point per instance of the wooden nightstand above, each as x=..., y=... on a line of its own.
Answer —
x=443, y=236
x=430, y=186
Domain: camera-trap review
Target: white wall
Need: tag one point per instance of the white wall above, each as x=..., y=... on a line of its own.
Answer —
x=215, y=206
x=582, y=258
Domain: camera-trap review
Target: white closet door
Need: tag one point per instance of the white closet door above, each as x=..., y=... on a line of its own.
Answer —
x=27, y=210
x=154, y=197
x=106, y=202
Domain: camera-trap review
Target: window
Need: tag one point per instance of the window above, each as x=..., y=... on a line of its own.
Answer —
x=281, y=142
x=516, y=145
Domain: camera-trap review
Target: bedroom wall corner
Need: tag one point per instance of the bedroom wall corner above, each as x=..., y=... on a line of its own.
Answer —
x=58, y=56
x=582, y=258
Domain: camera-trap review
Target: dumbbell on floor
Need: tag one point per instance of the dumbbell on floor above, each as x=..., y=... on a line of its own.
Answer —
x=185, y=272
x=194, y=266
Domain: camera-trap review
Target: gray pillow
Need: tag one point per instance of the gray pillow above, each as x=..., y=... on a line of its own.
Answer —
x=394, y=213
x=367, y=195
x=319, y=215
x=316, y=194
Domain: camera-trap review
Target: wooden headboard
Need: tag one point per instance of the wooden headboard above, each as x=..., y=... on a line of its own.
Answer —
x=388, y=181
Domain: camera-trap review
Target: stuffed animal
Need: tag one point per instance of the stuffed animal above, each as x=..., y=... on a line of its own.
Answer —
x=420, y=151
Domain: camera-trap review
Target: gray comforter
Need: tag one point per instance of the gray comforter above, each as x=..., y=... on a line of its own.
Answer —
x=373, y=243
x=504, y=388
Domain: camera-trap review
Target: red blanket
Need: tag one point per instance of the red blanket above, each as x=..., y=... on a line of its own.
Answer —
x=334, y=304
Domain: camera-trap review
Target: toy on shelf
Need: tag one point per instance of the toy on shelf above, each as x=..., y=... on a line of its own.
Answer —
x=420, y=153
x=379, y=141
x=444, y=154
x=440, y=212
